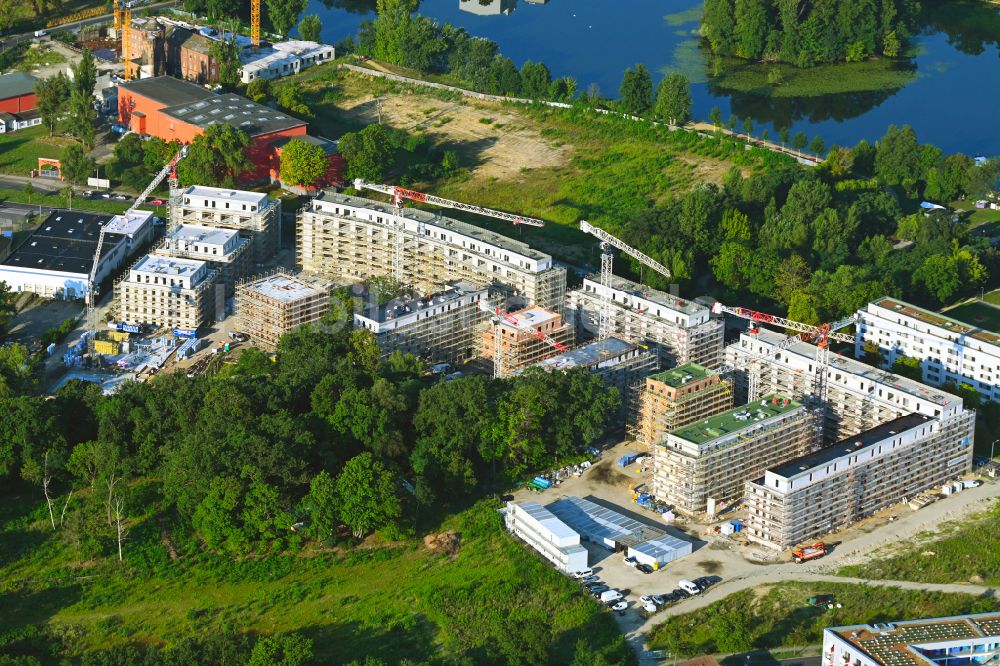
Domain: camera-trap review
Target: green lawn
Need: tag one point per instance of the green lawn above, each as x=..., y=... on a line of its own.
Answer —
x=59, y=201
x=389, y=601
x=39, y=57
x=957, y=552
x=777, y=616
x=979, y=314
x=19, y=151
x=25, y=19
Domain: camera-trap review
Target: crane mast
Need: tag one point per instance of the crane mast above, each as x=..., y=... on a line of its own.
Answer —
x=607, y=260
x=255, y=23
x=499, y=315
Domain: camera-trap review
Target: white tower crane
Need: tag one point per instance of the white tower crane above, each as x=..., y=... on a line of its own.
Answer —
x=499, y=316
x=608, y=241
x=399, y=194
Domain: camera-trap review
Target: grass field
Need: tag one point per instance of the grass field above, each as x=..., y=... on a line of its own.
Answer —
x=777, y=616
x=561, y=165
x=59, y=201
x=957, y=552
x=387, y=600
x=19, y=151
x=40, y=57
x=979, y=314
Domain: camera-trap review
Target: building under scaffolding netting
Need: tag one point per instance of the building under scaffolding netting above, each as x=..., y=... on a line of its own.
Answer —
x=269, y=306
x=674, y=398
x=524, y=338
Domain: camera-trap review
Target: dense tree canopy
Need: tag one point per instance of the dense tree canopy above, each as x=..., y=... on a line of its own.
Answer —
x=217, y=157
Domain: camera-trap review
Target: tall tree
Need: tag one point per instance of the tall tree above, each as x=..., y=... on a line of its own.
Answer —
x=752, y=23
x=673, y=99
x=366, y=493
x=392, y=29
x=76, y=165
x=85, y=74
x=535, y=80
x=310, y=27
x=897, y=155
x=81, y=116
x=225, y=52
x=52, y=95
x=216, y=157
x=302, y=163
x=368, y=153
x=637, y=91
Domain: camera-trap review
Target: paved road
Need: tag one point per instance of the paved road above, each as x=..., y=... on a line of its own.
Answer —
x=13, y=40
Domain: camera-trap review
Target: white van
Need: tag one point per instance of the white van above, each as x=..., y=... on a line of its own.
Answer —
x=610, y=595
x=40, y=33
x=583, y=573
x=688, y=587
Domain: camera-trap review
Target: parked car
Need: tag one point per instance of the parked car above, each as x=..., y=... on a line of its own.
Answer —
x=659, y=600
x=688, y=586
x=706, y=582
x=157, y=202
x=610, y=595
x=121, y=197
x=650, y=608
x=88, y=193
x=107, y=195
x=598, y=590
x=119, y=129
x=645, y=568
x=620, y=606
x=646, y=599
x=40, y=33
x=631, y=561
x=583, y=573
x=589, y=579
x=681, y=594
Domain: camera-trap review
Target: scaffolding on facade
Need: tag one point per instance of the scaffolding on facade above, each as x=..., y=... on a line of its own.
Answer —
x=272, y=304
x=520, y=348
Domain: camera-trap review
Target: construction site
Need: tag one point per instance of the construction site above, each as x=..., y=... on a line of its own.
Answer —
x=254, y=215
x=676, y=397
x=269, y=306
x=526, y=337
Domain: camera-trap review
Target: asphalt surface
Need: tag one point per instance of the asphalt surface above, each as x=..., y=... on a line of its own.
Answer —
x=13, y=40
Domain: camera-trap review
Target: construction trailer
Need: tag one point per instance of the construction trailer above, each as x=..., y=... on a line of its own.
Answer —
x=829, y=489
x=620, y=364
x=525, y=337
x=254, y=215
x=705, y=463
x=271, y=305
x=674, y=398
x=551, y=537
x=167, y=292
x=224, y=249
x=349, y=239
x=680, y=330
x=440, y=328
x=858, y=396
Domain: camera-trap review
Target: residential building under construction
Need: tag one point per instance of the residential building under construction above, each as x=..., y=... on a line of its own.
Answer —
x=525, y=337
x=439, y=328
x=168, y=292
x=620, y=364
x=676, y=397
x=824, y=491
x=706, y=463
x=349, y=239
x=253, y=214
x=682, y=331
x=267, y=307
x=224, y=249
x=858, y=396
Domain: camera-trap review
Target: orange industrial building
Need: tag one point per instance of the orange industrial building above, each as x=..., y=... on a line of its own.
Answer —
x=177, y=110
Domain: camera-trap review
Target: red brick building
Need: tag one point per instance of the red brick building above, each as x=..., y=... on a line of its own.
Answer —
x=195, y=62
x=17, y=92
x=173, y=109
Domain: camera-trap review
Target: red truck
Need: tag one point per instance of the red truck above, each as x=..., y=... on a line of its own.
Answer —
x=807, y=553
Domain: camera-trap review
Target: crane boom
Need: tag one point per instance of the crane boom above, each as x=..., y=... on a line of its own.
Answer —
x=160, y=176
x=499, y=315
x=608, y=239
x=400, y=193
x=765, y=318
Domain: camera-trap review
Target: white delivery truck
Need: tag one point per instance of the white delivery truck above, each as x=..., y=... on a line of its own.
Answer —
x=610, y=595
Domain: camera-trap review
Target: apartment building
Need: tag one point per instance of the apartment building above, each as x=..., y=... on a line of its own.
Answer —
x=440, y=328
x=253, y=214
x=829, y=489
x=551, y=537
x=267, y=307
x=674, y=398
x=859, y=396
x=958, y=640
x=681, y=330
x=348, y=239
x=620, y=364
x=708, y=462
x=168, y=292
x=517, y=335
x=224, y=249
x=949, y=350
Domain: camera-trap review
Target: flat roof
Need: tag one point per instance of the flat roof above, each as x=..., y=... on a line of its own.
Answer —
x=64, y=242
x=16, y=84
x=735, y=420
x=231, y=109
x=196, y=233
x=284, y=288
x=243, y=196
x=683, y=374
x=685, y=305
x=547, y=520
x=530, y=317
x=942, y=320
x=601, y=522
x=588, y=354
x=128, y=224
x=661, y=547
x=168, y=90
x=890, y=643
x=427, y=217
x=153, y=263
x=414, y=302
x=859, y=369
x=849, y=445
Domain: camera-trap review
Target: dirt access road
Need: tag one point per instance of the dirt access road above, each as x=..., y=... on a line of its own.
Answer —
x=608, y=484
